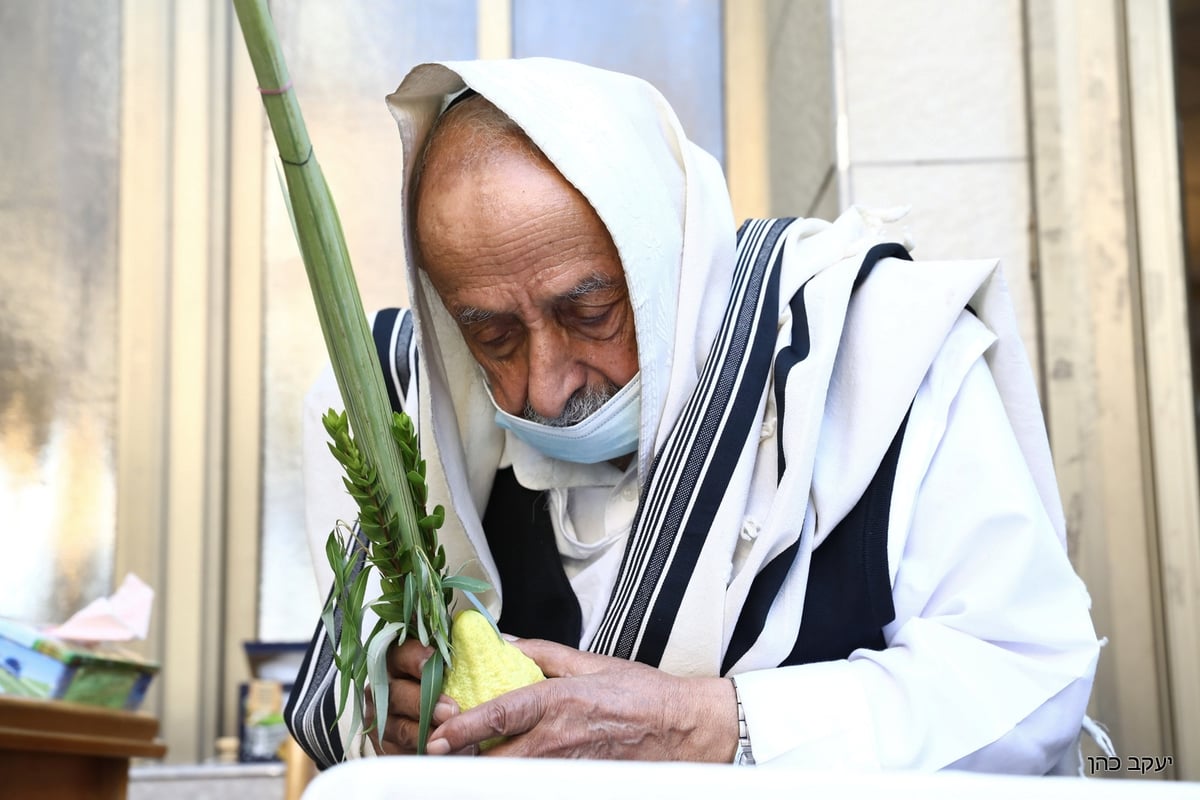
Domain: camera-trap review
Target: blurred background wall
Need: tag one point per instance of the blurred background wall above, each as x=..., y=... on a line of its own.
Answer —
x=157, y=336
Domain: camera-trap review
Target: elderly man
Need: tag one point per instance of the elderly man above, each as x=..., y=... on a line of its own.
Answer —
x=777, y=494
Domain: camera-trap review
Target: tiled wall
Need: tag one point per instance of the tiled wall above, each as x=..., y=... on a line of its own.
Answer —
x=675, y=46
x=935, y=118
x=801, y=109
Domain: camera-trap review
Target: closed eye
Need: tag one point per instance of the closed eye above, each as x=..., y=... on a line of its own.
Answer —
x=594, y=321
x=494, y=340
x=590, y=305
x=589, y=315
x=496, y=335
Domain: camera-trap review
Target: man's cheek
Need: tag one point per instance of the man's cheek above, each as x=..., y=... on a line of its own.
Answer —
x=508, y=388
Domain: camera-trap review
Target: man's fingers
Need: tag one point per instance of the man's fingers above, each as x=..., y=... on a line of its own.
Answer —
x=400, y=736
x=406, y=659
x=404, y=697
x=373, y=735
x=400, y=730
x=508, y=715
x=446, y=708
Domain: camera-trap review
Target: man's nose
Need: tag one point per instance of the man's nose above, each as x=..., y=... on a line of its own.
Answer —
x=553, y=374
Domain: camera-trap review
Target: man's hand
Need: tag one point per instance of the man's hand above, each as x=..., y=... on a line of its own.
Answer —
x=594, y=706
x=404, y=701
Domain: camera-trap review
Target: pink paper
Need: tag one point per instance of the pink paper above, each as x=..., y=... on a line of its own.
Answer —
x=120, y=617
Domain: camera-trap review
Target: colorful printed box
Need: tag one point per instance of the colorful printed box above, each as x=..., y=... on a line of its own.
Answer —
x=35, y=665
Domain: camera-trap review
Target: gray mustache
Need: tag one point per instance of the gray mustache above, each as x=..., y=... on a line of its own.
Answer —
x=579, y=406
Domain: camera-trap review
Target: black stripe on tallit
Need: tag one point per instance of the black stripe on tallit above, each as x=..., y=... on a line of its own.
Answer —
x=877, y=254
x=654, y=499
x=796, y=351
x=657, y=498
x=768, y=583
x=848, y=600
x=763, y=591
x=849, y=595
x=381, y=331
x=311, y=710
x=743, y=416
x=649, y=506
x=752, y=238
x=699, y=443
x=400, y=355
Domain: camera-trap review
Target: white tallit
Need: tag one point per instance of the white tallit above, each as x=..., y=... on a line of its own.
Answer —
x=666, y=206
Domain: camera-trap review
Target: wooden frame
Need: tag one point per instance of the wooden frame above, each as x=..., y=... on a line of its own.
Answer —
x=143, y=250
x=243, y=478
x=188, y=403
x=1116, y=355
x=746, y=123
x=1172, y=434
x=493, y=27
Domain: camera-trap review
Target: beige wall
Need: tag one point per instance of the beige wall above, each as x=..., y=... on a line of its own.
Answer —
x=1095, y=392
x=802, y=113
x=1039, y=132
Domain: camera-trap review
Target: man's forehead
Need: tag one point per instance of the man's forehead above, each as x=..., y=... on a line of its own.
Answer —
x=475, y=182
x=483, y=186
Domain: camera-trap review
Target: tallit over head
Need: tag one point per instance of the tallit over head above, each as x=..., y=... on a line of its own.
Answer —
x=662, y=198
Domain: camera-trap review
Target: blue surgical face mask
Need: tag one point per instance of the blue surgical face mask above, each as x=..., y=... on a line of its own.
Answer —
x=609, y=432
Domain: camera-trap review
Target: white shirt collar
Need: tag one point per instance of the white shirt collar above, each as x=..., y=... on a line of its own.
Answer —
x=536, y=471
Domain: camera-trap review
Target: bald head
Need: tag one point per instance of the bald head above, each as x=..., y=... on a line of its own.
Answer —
x=467, y=139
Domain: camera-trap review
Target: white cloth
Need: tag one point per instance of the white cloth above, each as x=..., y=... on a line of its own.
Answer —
x=978, y=581
x=545, y=779
x=984, y=594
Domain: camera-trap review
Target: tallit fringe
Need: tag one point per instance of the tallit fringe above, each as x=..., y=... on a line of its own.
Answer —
x=1097, y=732
x=1100, y=736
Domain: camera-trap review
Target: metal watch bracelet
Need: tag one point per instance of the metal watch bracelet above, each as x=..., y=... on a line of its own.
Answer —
x=744, y=755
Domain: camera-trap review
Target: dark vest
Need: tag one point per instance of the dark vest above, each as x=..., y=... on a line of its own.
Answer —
x=848, y=602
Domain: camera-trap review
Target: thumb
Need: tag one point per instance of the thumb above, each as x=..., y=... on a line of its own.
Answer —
x=509, y=714
x=560, y=661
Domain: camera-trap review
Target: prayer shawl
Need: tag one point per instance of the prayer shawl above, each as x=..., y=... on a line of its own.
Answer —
x=775, y=374
x=773, y=380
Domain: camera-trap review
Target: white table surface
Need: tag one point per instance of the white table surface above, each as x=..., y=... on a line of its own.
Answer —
x=527, y=779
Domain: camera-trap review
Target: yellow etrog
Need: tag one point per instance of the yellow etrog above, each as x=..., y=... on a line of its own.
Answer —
x=484, y=665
